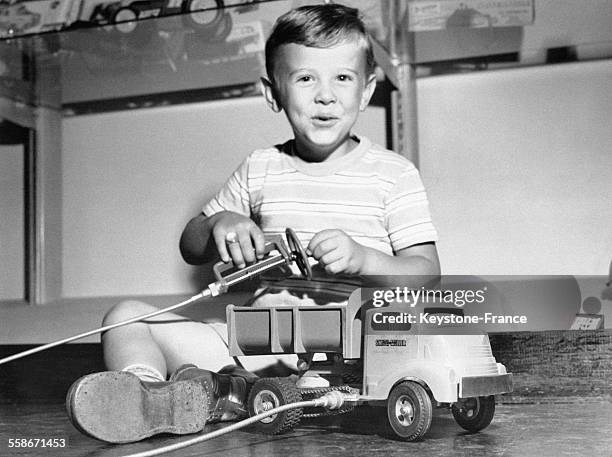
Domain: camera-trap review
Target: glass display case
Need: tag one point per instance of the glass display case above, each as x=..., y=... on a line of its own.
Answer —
x=123, y=60
x=81, y=56
x=70, y=57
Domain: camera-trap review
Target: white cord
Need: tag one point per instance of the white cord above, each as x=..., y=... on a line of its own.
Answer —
x=228, y=429
x=331, y=400
x=204, y=294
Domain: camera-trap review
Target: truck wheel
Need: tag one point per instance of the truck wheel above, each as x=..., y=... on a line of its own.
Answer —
x=268, y=393
x=203, y=15
x=474, y=413
x=409, y=411
x=136, y=33
x=125, y=19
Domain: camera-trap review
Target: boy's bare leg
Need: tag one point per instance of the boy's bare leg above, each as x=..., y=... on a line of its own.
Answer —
x=164, y=342
x=169, y=341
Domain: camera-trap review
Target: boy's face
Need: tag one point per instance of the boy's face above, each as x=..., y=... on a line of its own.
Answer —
x=322, y=91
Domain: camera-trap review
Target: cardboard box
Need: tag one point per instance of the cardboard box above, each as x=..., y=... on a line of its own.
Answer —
x=444, y=30
x=443, y=14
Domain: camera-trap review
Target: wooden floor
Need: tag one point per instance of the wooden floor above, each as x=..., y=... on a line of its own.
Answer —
x=518, y=430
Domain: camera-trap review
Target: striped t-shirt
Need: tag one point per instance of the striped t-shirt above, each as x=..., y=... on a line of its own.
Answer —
x=374, y=195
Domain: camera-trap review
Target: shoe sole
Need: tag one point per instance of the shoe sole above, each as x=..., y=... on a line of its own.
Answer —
x=118, y=408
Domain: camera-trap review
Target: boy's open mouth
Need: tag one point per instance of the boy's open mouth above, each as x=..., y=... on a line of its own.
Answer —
x=324, y=120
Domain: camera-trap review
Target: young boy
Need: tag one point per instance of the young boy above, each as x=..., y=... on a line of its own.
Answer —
x=360, y=210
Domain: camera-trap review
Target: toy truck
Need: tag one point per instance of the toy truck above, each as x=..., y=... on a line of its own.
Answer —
x=406, y=367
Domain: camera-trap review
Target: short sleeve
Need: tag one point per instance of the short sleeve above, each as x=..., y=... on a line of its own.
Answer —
x=233, y=195
x=407, y=214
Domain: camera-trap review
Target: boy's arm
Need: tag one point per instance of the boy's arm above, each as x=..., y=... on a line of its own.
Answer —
x=418, y=264
x=338, y=253
x=194, y=243
x=204, y=238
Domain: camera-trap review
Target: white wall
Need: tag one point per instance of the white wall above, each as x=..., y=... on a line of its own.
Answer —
x=518, y=165
x=133, y=179
x=11, y=223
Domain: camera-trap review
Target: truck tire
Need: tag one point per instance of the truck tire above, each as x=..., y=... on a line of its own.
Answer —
x=205, y=17
x=268, y=393
x=409, y=411
x=474, y=413
x=125, y=20
x=126, y=24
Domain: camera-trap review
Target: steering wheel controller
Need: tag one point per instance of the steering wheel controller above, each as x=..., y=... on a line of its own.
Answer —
x=286, y=253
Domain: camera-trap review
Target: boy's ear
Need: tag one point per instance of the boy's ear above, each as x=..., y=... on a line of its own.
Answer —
x=269, y=93
x=367, y=92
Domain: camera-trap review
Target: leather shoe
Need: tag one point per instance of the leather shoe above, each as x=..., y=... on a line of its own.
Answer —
x=117, y=407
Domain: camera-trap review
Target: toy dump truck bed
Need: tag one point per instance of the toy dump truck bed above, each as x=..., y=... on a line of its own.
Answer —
x=293, y=330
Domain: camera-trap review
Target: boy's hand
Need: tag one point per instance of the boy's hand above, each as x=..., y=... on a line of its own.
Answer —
x=337, y=252
x=237, y=238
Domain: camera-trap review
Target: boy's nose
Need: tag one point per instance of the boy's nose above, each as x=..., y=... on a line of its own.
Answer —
x=325, y=94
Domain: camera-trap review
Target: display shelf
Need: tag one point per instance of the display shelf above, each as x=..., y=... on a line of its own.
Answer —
x=505, y=33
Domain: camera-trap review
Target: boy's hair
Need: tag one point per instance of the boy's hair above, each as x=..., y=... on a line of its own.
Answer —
x=318, y=26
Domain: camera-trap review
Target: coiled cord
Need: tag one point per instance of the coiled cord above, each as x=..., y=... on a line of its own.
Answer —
x=331, y=400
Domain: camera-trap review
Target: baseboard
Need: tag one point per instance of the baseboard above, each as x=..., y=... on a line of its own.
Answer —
x=556, y=364
x=46, y=376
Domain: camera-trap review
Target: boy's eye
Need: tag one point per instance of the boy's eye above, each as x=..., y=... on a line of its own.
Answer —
x=345, y=77
x=304, y=78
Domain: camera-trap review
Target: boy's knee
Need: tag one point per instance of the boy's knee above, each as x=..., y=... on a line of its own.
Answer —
x=125, y=310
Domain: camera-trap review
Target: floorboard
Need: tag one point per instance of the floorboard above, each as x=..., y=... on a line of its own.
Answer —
x=553, y=429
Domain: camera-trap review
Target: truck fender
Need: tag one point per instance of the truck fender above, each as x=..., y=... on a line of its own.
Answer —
x=440, y=380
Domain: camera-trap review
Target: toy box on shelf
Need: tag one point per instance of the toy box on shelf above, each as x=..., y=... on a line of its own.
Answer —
x=443, y=30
